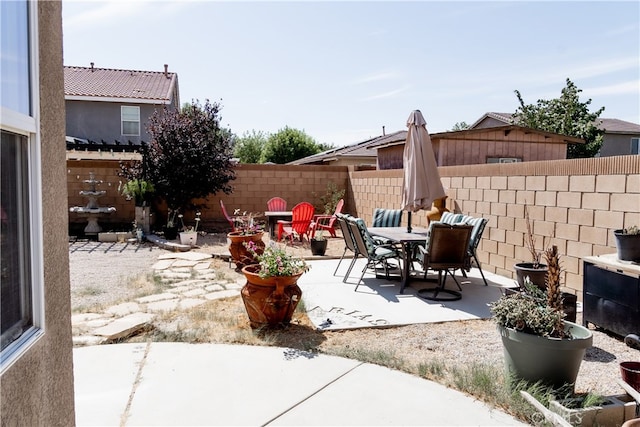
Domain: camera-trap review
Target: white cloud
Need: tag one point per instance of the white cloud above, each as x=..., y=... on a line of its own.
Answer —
x=631, y=87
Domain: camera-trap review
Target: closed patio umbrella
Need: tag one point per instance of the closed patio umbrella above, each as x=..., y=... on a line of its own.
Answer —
x=421, y=184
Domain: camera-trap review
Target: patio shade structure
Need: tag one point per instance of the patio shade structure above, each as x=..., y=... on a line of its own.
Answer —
x=421, y=182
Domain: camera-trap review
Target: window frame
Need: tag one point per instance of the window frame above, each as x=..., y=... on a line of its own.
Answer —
x=637, y=146
x=29, y=127
x=122, y=120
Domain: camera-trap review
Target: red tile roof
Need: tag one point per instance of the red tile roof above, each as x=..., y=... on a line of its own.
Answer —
x=89, y=82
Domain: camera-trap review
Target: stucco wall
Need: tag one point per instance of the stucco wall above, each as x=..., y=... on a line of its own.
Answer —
x=37, y=390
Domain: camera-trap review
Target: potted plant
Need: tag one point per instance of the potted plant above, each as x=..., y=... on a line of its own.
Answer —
x=628, y=243
x=271, y=293
x=247, y=230
x=170, y=230
x=140, y=191
x=535, y=270
x=189, y=235
x=318, y=243
x=539, y=344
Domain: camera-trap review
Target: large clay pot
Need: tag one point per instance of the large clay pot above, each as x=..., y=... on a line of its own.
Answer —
x=239, y=252
x=269, y=301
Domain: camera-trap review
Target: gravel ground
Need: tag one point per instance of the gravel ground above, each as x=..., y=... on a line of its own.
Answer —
x=101, y=274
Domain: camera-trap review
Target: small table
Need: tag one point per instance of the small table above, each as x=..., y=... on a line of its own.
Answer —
x=273, y=217
x=406, y=239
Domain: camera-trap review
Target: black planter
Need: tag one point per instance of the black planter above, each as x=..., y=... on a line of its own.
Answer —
x=318, y=247
x=537, y=275
x=628, y=246
x=170, y=233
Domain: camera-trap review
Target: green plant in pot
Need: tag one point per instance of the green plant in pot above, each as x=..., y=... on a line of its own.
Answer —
x=535, y=270
x=628, y=243
x=318, y=243
x=139, y=190
x=539, y=344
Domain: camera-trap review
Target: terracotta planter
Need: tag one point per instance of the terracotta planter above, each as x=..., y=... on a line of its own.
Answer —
x=270, y=301
x=239, y=253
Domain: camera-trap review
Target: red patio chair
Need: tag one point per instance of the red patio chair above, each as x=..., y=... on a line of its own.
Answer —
x=277, y=204
x=300, y=224
x=326, y=222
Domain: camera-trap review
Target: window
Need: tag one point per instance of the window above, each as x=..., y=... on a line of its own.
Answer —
x=130, y=120
x=503, y=159
x=21, y=278
x=635, y=145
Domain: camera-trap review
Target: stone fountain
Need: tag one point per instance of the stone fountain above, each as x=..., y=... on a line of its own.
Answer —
x=92, y=212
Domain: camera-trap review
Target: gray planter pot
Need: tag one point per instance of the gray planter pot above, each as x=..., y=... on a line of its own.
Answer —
x=628, y=246
x=537, y=275
x=553, y=361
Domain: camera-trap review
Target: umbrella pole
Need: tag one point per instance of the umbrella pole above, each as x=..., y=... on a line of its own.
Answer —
x=409, y=222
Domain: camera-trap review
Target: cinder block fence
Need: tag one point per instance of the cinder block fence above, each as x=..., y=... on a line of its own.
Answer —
x=574, y=204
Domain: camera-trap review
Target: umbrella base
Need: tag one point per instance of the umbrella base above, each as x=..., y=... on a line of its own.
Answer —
x=439, y=294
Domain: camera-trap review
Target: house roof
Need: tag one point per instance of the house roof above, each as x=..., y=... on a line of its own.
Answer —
x=473, y=134
x=107, y=84
x=608, y=125
x=358, y=149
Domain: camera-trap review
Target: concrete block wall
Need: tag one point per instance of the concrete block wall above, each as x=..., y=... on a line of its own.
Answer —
x=573, y=204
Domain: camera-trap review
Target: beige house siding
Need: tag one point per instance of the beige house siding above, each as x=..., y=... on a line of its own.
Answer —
x=37, y=390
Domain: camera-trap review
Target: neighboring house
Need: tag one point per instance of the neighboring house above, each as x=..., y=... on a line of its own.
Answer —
x=358, y=155
x=109, y=109
x=505, y=144
x=620, y=137
x=36, y=357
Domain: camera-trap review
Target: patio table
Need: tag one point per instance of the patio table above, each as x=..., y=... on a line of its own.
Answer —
x=406, y=240
x=272, y=220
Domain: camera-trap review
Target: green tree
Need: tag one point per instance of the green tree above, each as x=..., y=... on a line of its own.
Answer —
x=188, y=157
x=288, y=145
x=567, y=116
x=249, y=147
x=460, y=126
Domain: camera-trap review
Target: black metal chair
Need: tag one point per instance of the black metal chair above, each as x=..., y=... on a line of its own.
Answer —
x=446, y=251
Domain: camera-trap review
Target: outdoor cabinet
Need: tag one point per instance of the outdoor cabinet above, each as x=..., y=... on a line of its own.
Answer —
x=611, y=294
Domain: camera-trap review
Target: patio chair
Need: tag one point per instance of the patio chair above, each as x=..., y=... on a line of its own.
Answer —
x=326, y=222
x=227, y=217
x=478, y=225
x=446, y=251
x=375, y=252
x=386, y=217
x=300, y=224
x=349, y=244
x=277, y=204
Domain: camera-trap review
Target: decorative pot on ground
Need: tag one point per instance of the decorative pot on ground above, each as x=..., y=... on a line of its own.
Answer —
x=630, y=373
x=627, y=245
x=189, y=238
x=318, y=247
x=170, y=233
x=240, y=253
x=269, y=301
x=553, y=361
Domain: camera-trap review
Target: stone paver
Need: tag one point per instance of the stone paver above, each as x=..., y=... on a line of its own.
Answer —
x=192, y=280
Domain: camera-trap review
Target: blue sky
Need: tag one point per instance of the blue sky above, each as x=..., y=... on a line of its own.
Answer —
x=341, y=71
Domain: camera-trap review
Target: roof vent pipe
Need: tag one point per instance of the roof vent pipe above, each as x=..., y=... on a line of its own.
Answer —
x=166, y=70
x=383, y=134
x=92, y=67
